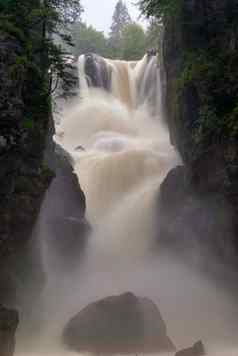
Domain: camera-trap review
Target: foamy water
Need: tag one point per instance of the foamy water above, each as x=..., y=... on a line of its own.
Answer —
x=126, y=155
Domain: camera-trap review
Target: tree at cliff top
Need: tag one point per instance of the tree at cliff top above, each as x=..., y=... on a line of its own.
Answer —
x=133, y=42
x=158, y=8
x=120, y=19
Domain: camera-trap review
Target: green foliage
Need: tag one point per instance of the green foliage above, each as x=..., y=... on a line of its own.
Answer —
x=28, y=123
x=215, y=80
x=86, y=39
x=196, y=66
x=159, y=8
x=10, y=28
x=133, y=41
x=31, y=26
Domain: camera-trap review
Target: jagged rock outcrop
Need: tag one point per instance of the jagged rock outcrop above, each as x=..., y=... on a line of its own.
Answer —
x=200, y=50
x=8, y=324
x=27, y=61
x=118, y=324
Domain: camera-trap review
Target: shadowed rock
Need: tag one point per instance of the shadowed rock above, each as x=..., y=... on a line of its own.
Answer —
x=62, y=222
x=97, y=73
x=194, y=217
x=118, y=324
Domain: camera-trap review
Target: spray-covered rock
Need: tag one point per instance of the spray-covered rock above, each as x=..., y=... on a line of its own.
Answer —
x=62, y=220
x=195, y=218
x=118, y=324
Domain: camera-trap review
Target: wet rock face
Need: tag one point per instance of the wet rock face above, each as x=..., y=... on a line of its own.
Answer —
x=8, y=324
x=195, y=218
x=98, y=74
x=209, y=29
x=23, y=177
x=62, y=223
x=118, y=324
x=210, y=155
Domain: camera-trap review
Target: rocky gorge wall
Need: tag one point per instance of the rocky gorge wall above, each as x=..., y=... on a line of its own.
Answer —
x=200, y=200
x=36, y=202
x=24, y=177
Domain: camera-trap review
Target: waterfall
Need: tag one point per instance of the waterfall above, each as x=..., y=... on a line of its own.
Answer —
x=133, y=83
x=119, y=148
x=127, y=148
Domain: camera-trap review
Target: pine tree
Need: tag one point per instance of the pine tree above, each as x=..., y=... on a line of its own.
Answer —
x=120, y=19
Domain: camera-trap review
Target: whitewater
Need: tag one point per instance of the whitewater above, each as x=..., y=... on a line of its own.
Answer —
x=117, y=141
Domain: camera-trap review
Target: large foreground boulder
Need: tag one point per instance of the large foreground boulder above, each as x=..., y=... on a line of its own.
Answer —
x=118, y=324
x=8, y=324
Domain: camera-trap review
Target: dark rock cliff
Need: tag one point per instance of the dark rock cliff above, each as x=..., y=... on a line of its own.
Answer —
x=23, y=176
x=26, y=152
x=200, y=53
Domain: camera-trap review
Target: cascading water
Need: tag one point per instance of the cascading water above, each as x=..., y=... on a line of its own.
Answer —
x=119, y=148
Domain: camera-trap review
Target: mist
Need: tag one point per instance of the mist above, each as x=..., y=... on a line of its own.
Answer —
x=125, y=157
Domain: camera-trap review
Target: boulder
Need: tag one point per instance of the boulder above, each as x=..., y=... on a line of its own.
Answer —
x=196, y=350
x=118, y=324
x=8, y=324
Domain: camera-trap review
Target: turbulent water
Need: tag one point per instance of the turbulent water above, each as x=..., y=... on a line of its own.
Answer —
x=119, y=147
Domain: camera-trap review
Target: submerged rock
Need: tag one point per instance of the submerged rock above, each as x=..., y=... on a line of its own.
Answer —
x=196, y=350
x=118, y=324
x=8, y=324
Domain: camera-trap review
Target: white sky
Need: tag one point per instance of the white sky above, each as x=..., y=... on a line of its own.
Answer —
x=99, y=12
